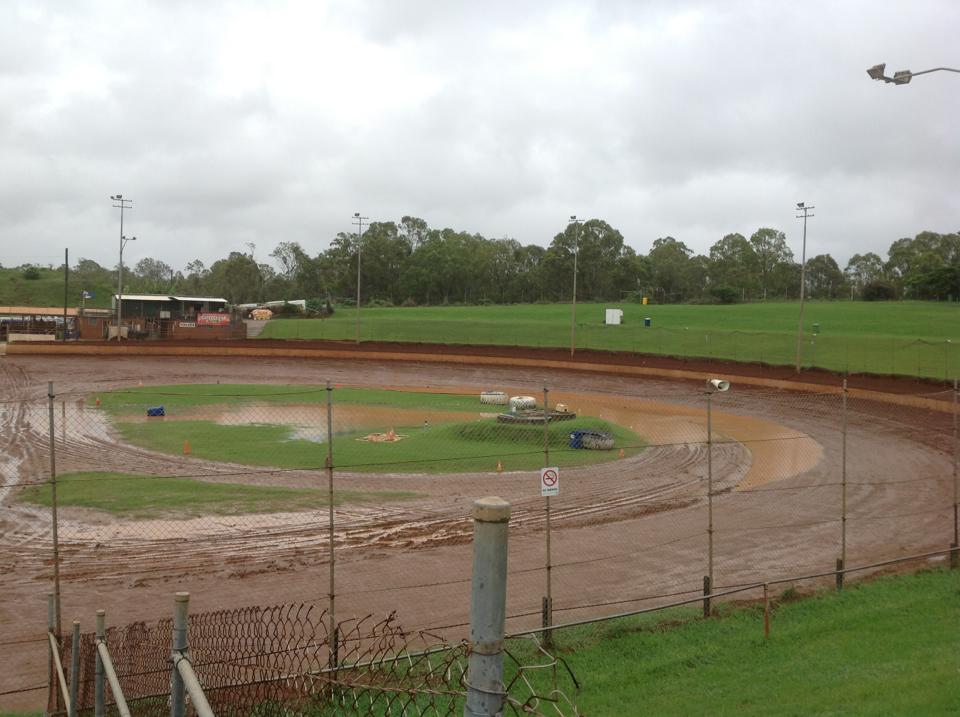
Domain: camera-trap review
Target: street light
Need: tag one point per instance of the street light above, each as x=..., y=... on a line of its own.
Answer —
x=805, y=213
x=714, y=385
x=576, y=253
x=901, y=77
x=121, y=204
x=358, y=220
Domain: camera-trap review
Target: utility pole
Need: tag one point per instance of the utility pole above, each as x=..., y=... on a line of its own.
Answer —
x=804, y=212
x=358, y=221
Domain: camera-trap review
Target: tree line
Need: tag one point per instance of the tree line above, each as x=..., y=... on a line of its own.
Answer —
x=410, y=263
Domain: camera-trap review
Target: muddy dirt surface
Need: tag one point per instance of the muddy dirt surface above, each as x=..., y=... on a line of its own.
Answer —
x=622, y=530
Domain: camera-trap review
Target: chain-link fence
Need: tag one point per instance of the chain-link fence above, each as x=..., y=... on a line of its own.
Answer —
x=353, y=500
x=283, y=660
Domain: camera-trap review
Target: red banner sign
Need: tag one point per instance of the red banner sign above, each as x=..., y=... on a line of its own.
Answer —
x=208, y=319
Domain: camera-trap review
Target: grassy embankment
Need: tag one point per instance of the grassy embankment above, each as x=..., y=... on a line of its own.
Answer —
x=887, y=647
x=904, y=337
x=47, y=290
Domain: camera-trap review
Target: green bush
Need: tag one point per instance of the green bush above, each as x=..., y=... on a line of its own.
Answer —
x=879, y=291
x=31, y=273
x=724, y=294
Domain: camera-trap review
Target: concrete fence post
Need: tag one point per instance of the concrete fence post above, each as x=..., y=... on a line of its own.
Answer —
x=181, y=608
x=488, y=605
x=74, y=669
x=98, y=696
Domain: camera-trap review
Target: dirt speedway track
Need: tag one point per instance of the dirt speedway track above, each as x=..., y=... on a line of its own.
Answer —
x=629, y=529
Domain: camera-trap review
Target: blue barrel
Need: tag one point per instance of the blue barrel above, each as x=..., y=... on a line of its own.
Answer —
x=648, y=322
x=155, y=411
x=576, y=439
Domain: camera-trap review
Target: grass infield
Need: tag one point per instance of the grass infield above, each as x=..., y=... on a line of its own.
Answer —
x=143, y=496
x=442, y=445
x=900, y=337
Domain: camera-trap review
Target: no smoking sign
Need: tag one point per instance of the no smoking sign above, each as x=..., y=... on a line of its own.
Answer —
x=549, y=482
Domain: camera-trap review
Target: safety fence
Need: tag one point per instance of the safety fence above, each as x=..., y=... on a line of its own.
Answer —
x=286, y=660
x=352, y=500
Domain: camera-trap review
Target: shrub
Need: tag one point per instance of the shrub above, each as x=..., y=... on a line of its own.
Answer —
x=879, y=291
x=724, y=294
x=31, y=273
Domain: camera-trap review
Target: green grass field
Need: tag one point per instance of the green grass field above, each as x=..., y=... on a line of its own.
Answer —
x=887, y=647
x=142, y=496
x=904, y=337
x=266, y=438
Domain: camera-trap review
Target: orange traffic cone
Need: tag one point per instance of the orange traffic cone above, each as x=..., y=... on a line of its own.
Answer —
x=621, y=453
x=186, y=448
x=98, y=401
x=499, y=466
x=391, y=435
x=140, y=383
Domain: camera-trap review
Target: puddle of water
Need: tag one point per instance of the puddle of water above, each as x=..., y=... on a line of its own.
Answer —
x=309, y=421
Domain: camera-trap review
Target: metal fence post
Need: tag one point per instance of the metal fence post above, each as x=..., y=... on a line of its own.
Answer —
x=332, y=630
x=954, y=556
x=98, y=697
x=842, y=561
x=707, y=589
x=708, y=580
x=53, y=504
x=74, y=669
x=181, y=607
x=488, y=606
x=53, y=694
x=547, y=611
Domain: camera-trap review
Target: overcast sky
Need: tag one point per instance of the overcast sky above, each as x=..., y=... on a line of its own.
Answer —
x=232, y=123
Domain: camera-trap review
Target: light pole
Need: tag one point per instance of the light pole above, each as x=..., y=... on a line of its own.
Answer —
x=804, y=214
x=576, y=253
x=714, y=385
x=901, y=77
x=120, y=203
x=358, y=220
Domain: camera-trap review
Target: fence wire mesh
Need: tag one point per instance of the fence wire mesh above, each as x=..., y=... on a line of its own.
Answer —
x=228, y=494
x=282, y=660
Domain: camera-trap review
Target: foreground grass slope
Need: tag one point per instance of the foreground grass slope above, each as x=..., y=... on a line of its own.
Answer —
x=907, y=337
x=888, y=647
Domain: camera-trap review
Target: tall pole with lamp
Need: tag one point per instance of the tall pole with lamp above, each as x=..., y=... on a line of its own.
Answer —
x=358, y=220
x=573, y=310
x=120, y=203
x=803, y=213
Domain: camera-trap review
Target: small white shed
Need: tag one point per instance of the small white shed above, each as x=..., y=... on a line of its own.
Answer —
x=614, y=317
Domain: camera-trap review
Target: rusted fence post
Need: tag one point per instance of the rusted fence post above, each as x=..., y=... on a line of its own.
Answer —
x=488, y=608
x=766, y=611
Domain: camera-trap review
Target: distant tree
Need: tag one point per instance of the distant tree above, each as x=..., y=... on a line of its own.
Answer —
x=863, y=269
x=734, y=263
x=824, y=278
x=670, y=260
x=30, y=273
x=770, y=247
x=154, y=275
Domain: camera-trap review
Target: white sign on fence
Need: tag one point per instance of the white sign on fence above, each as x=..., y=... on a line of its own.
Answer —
x=549, y=481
